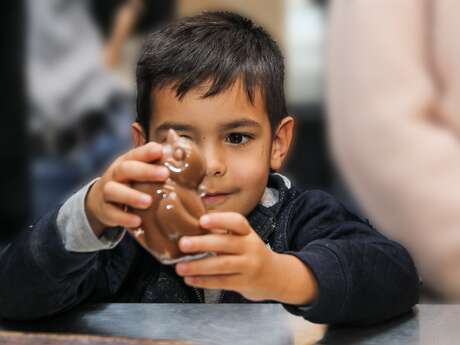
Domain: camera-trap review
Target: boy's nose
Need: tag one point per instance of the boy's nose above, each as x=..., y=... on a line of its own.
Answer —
x=216, y=171
x=215, y=165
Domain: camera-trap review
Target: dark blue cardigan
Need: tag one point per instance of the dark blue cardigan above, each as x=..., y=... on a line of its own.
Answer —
x=362, y=276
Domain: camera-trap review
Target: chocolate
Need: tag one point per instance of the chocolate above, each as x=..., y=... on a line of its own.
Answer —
x=177, y=206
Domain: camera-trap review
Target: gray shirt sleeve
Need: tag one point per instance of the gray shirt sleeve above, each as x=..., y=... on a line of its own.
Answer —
x=75, y=230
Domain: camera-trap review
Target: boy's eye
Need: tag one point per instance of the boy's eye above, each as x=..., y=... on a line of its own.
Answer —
x=185, y=136
x=237, y=138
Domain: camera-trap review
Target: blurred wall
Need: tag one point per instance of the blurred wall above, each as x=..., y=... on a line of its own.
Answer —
x=269, y=14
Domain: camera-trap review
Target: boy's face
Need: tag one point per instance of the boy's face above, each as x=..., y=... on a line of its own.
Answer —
x=234, y=137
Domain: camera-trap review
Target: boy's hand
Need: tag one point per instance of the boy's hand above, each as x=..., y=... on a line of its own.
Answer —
x=107, y=199
x=244, y=263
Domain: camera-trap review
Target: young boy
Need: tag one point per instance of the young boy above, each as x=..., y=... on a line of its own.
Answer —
x=217, y=79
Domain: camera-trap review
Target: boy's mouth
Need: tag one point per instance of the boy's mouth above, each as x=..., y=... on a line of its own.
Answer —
x=214, y=199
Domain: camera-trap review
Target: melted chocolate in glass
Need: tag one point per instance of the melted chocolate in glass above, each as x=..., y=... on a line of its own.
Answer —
x=177, y=206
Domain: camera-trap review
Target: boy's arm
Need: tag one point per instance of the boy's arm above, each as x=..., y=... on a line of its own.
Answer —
x=42, y=273
x=342, y=268
x=362, y=277
x=75, y=230
x=40, y=276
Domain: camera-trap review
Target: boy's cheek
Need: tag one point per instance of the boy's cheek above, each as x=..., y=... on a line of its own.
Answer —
x=250, y=177
x=251, y=173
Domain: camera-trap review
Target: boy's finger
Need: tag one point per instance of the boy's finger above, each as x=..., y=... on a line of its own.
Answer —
x=216, y=243
x=121, y=194
x=224, y=281
x=146, y=153
x=139, y=171
x=118, y=217
x=214, y=265
x=231, y=221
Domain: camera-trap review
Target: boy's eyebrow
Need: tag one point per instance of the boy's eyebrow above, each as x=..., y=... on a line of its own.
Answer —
x=177, y=126
x=239, y=123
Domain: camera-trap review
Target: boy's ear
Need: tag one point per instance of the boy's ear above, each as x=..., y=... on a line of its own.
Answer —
x=281, y=142
x=137, y=134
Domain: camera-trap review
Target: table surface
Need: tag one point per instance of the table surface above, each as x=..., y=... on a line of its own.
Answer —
x=243, y=324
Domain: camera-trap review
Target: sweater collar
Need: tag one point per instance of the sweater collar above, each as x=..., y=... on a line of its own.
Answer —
x=263, y=216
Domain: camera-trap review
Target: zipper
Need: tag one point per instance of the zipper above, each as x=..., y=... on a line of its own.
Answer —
x=198, y=295
x=221, y=297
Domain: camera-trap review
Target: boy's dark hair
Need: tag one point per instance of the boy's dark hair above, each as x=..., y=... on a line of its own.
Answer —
x=220, y=47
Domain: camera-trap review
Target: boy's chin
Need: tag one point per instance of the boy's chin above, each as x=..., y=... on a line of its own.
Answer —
x=225, y=209
x=220, y=208
x=215, y=209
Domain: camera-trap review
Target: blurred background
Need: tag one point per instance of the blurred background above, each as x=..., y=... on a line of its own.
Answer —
x=69, y=91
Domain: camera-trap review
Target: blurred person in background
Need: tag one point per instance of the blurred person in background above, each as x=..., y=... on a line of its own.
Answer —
x=394, y=121
x=79, y=105
x=122, y=21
